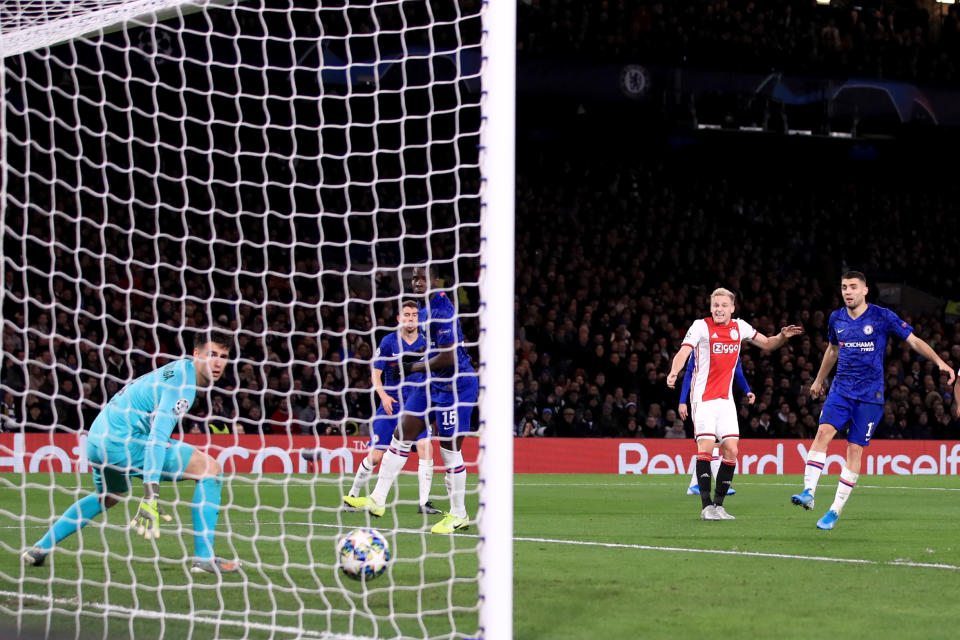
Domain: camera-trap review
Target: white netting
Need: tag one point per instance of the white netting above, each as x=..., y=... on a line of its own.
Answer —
x=275, y=166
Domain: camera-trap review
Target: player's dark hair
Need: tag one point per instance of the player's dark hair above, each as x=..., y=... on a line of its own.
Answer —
x=409, y=303
x=217, y=336
x=854, y=275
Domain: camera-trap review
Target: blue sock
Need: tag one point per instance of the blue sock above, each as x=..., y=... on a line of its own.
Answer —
x=72, y=520
x=206, y=511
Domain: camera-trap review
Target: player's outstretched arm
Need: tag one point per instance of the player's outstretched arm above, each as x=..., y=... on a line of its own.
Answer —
x=777, y=341
x=678, y=361
x=927, y=352
x=415, y=363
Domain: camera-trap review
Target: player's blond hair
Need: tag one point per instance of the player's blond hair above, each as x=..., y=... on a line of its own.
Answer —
x=723, y=292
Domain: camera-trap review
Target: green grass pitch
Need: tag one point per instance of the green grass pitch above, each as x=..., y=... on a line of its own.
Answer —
x=595, y=556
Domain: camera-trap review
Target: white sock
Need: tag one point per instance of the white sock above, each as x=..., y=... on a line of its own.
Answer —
x=811, y=473
x=363, y=475
x=390, y=465
x=456, y=481
x=425, y=476
x=848, y=480
x=715, y=462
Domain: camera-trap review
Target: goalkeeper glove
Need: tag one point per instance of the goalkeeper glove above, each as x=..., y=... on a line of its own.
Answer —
x=146, y=522
x=407, y=361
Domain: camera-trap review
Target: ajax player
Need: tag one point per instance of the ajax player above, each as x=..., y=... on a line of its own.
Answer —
x=858, y=339
x=131, y=438
x=386, y=372
x=683, y=411
x=715, y=343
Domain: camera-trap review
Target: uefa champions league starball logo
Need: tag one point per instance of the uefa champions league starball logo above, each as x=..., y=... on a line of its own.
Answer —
x=867, y=330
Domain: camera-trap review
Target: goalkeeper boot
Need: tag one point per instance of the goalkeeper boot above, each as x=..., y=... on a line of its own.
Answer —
x=804, y=499
x=215, y=565
x=826, y=522
x=428, y=508
x=693, y=490
x=365, y=502
x=35, y=556
x=449, y=524
x=346, y=506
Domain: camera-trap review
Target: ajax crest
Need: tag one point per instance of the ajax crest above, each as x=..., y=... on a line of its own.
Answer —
x=734, y=334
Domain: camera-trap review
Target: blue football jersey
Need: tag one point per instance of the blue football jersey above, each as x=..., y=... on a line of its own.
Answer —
x=442, y=327
x=387, y=360
x=145, y=411
x=862, y=343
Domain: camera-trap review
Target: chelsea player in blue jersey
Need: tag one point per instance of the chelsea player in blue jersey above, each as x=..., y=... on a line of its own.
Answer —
x=386, y=373
x=131, y=438
x=447, y=402
x=858, y=339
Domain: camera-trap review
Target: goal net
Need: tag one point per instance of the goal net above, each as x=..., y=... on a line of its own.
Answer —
x=277, y=167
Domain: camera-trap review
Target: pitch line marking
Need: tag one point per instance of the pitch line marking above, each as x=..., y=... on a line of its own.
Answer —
x=735, y=484
x=113, y=609
x=755, y=554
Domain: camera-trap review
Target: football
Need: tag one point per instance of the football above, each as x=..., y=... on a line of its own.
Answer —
x=363, y=554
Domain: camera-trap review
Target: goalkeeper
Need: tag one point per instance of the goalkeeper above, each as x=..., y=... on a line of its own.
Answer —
x=131, y=438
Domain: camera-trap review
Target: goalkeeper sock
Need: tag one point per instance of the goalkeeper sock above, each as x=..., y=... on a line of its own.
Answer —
x=811, y=473
x=848, y=481
x=206, y=511
x=391, y=464
x=425, y=476
x=456, y=481
x=724, y=477
x=73, y=519
x=363, y=475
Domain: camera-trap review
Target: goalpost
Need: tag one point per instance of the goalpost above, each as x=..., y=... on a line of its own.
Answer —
x=278, y=166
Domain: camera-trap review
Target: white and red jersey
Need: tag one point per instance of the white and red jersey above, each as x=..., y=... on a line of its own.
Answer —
x=715, y=349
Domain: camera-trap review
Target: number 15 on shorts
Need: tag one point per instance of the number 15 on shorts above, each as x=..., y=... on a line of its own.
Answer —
x=448, y=418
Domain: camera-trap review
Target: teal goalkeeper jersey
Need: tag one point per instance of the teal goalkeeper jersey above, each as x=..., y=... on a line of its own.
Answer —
x=142, y=415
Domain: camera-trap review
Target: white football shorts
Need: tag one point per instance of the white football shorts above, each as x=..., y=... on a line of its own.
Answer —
x=715, y=419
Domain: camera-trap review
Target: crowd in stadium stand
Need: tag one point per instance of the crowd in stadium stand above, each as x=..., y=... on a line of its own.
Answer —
x=614, y=260
x=888, y=40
